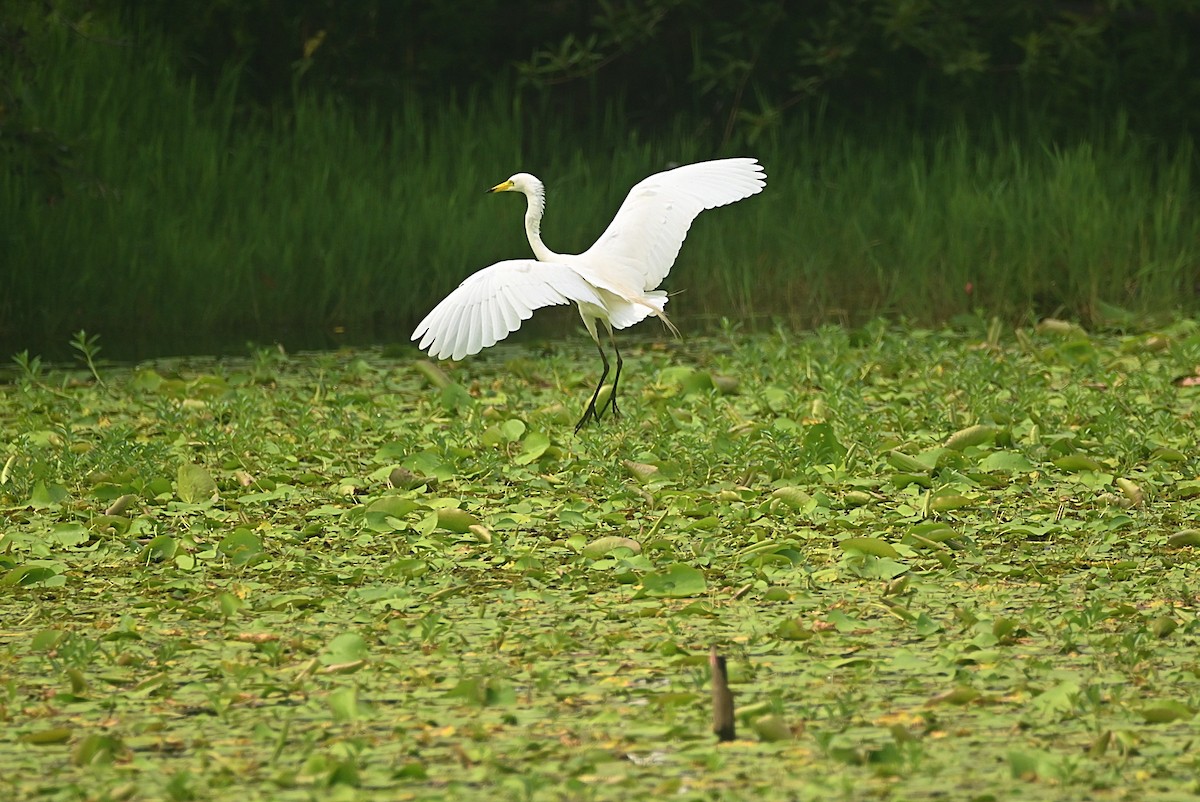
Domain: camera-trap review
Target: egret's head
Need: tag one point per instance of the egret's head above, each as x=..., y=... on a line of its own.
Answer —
x=521, y=182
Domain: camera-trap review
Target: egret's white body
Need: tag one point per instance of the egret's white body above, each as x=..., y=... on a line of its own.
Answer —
x=615, y=281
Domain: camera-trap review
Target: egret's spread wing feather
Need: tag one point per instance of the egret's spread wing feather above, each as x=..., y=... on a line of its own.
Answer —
x=512, y=318
x=639, y=246
x=491, y=304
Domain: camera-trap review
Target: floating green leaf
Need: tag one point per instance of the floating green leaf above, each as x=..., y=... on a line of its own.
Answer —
x=45, y=496
x=821, y=446
x=971, y=436
x=345, y=648
x=1078, y=462
x=53, y=735
x=456, y=520
x=533, y=447
x=483, y=692
x=28, y=575
x=958, y=695
x=344, y=704
x=241, y=546
x=947, y=502
x=387, y=514
x=1184, y=538
x=96, y=749
x=641, y=471
x=869, y=545
x=70, y=535
x=195, y=485
x=771, y=728
x=1166, y=711
x=906, y=463
x=601, y=546
x=677, y=581
x=1009, y=461
x=162, y=547
x=793, y=497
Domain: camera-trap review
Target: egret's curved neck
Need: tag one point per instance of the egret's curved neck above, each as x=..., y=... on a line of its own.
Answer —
x=536, y=195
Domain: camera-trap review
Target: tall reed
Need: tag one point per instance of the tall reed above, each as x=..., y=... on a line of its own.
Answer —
x=176, y=221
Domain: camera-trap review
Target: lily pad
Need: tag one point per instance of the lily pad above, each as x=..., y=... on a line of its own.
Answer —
x=677, y=581
x=195, y=484
x=604, y=545
x=869, y=545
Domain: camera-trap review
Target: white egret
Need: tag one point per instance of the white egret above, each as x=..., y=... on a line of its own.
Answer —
x=615, y=281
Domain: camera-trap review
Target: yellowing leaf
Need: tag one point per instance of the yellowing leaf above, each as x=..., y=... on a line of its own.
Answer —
x=1183, y=538
x=906, y=463
x=640, y=470
x=1074, y=463
x=603, y=545
x=456, y=520
x=971, y=436
x=771, y=728
x=946, y=502
x=1132, y=492
x=869, y=545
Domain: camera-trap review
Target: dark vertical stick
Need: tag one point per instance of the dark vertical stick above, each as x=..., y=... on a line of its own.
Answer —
x=722, y=699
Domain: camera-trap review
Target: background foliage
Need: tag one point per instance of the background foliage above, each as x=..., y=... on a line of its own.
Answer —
x=716, y=63
x=190, y=175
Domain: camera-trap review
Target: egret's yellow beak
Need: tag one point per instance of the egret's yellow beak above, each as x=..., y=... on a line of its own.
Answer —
x=505, y=187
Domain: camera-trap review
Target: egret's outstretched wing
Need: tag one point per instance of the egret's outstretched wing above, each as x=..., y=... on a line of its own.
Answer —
x=492, y=303
x=640, y=245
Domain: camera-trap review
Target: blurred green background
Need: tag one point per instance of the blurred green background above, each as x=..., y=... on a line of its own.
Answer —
x=186, y=177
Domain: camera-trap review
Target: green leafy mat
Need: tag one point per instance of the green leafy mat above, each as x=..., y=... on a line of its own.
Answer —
x=942, y=566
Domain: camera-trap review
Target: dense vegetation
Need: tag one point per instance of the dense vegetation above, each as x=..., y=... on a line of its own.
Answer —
x=191, y=181
x=327, y=577
x=718, y=65
x=350, y=574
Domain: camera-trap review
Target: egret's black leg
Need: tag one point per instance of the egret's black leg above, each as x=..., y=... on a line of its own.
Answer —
x=590, y=412
x=612, y=398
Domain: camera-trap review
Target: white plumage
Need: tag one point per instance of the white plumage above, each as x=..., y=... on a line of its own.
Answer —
x=615, y=281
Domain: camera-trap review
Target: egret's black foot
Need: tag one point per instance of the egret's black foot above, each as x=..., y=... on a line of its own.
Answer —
x=588, y=414
x=594, y=414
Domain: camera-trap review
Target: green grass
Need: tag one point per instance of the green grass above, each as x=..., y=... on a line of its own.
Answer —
x=942, y=565
x=175, y=222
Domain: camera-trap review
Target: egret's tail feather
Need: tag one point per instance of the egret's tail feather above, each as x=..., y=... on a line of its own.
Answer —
x=656, y=301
